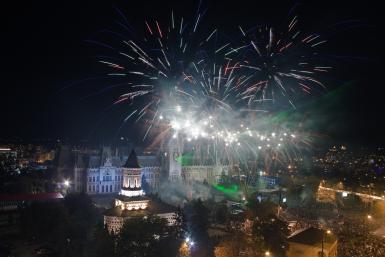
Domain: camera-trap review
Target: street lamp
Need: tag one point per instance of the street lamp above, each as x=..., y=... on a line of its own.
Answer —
x=267, y=253
x=189, y=242
x=369, y=217
x=328, y=232
x=67, y=184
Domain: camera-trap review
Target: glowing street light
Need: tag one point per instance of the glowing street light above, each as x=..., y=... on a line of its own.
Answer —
x=189, y=242
x=369, y=217
x=66, y=183
x=267, y=253
x=328, y=232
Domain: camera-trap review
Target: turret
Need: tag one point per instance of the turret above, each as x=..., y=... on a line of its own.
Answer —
x=132, y=177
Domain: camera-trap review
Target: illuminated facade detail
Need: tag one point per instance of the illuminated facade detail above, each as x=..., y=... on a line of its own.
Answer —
x=105, y=179
x=131, y=205
x=132, y=182
x=96, y=173
x=201, y=173
x=174, y=166
x=179, y=170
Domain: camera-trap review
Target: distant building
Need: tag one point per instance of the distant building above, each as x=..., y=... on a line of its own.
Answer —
x=310, y=243
x=132, y=201
x=10, y=202
x=269, y=181
x=64, y=162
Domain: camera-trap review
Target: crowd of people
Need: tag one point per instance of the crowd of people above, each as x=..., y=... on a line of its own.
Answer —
x=355, y=238
x=365, y=246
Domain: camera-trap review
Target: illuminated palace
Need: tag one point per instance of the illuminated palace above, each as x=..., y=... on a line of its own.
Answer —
x=100, y=172
x=132, y=201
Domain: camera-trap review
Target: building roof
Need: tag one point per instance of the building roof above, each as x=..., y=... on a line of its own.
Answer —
x=31, y=197
x=132, y=161
x=148, y=161
x=94, y=161
x=312, y=236
x=125, y=198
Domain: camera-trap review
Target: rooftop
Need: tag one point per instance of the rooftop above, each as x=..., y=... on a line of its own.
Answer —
x=312, y=236
x=31, y=197
x=132, y=161
x=124, y=198
x=154, y=207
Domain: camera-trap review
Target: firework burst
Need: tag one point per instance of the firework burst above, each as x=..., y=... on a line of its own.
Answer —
x=209, y=94
x=284, y=64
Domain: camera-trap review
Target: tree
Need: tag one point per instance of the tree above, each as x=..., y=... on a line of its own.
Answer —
x=67, y=226
x=83, y=219
x=229, y=248
x=221, y=213
x=142, y=237
x=267, y=226
x=103, y=243
x=262, y=210
x=240, y=243
x=46, y=222
x=274, y=233
x=181, y=223
x=198, y=223
x=184, y=250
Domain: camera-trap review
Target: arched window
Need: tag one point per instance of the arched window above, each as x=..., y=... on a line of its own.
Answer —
x=110, y=188
x=102, y=189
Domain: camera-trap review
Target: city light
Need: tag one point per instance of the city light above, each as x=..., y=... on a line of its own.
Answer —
x=66, y=182
x=267, y=253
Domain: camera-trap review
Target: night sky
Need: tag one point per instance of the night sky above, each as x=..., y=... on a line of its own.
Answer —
x=44, y=49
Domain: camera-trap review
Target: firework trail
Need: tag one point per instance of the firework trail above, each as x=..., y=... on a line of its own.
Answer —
x=284, y=63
